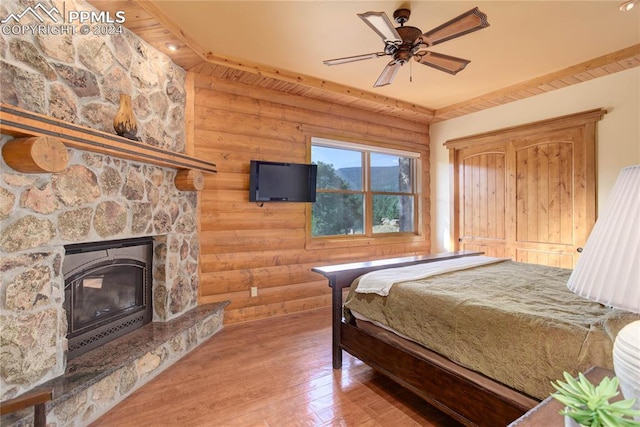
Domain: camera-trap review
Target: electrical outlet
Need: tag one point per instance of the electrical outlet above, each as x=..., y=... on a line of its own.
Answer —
x=254, y=291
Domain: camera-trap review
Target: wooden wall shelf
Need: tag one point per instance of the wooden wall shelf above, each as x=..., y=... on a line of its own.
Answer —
x=21, y=123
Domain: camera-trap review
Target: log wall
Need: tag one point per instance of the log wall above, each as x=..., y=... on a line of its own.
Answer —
x=244, y=245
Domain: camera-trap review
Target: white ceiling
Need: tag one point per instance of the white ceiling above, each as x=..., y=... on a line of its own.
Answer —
x=525, y=39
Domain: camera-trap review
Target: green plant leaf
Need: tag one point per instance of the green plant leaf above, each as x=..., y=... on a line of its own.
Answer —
x=580, y=417
x=608, y=388
x=613, y=420
x=626, y=404
x=584, y=384
x=569, y=401
x=568, y=388
x=627, y=423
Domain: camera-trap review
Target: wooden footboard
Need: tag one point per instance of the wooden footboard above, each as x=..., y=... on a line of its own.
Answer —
x=461, y=397
x=341, y=275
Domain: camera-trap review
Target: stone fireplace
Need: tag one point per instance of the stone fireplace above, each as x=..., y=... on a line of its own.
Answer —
x=95, y=199
x=98, y=197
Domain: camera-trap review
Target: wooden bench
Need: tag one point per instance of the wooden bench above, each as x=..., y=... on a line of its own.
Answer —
x=37, y=399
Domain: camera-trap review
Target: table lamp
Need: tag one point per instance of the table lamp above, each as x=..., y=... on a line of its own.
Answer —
x=608, y=271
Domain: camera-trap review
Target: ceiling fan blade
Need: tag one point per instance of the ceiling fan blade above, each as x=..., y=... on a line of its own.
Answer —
x=380, y=23
x=388, y=74
x=355, y=58
x=466, y=23
x=446, y=63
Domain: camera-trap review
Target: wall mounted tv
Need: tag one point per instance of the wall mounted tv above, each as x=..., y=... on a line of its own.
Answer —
x=282, y=182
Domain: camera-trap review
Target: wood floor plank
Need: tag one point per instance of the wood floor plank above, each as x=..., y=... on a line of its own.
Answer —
x=272, y=372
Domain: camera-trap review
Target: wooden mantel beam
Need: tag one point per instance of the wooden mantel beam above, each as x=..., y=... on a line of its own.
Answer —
x=36, y=154
x=21, y=123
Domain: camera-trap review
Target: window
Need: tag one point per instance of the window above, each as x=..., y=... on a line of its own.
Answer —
x=363, y=190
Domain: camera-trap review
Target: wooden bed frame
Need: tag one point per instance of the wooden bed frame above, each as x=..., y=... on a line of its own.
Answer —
x=469, y=401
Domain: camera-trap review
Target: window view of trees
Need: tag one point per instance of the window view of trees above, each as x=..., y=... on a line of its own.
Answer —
x=335, y=213
x=392, y=212
x=342, y=199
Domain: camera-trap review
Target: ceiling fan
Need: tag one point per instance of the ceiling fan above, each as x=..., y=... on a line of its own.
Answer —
x=404, y=43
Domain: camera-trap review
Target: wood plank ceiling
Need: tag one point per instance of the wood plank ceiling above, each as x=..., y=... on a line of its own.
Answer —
x=150, y=24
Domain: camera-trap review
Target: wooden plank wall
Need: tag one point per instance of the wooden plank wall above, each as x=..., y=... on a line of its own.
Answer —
x=245, y=245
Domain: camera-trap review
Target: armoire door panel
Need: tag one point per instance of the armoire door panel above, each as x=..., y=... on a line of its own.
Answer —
x=483, y=196
x=545, y=193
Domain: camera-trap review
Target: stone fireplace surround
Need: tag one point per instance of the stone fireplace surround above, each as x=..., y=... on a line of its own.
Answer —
x=93, y=197
x=97, y=197
x=77, y=80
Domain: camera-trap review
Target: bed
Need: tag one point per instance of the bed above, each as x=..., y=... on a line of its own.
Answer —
x=458, y=369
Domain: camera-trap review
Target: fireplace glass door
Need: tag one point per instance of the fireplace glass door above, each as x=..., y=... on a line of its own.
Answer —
x=107, y=291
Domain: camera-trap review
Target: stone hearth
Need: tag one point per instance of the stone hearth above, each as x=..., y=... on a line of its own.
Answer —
x=97, y=380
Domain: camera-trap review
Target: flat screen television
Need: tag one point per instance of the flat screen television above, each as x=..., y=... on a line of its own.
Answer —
x=282, y=182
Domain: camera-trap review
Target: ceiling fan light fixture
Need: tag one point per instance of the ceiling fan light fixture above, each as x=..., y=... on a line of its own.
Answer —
x=406, y=42
x=628, y=5
x=381, y=24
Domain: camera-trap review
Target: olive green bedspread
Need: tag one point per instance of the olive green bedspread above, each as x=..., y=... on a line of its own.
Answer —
x=513, y=322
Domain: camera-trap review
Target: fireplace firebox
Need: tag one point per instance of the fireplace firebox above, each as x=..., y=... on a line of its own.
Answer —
x=107, y=291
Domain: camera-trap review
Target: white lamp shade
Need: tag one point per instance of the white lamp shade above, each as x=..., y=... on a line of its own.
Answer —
x=608, y=270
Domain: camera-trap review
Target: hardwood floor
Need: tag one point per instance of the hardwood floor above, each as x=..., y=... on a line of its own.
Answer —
x=273, y=372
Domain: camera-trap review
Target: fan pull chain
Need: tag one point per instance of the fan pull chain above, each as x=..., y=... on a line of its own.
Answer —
x=410, y=71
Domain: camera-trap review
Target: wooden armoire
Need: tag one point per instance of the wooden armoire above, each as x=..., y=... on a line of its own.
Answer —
x=527, y=192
